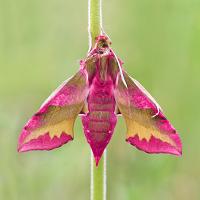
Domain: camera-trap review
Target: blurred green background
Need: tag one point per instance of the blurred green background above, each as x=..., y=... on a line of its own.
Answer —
x=41, y=43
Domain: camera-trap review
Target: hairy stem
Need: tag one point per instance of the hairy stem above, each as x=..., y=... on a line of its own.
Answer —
x=94, y=20
x=98, y=174
x=98, y=178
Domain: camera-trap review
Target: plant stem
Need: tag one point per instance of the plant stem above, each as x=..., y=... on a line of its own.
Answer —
x=94, y=20
x=98, y=178
x=98, y=174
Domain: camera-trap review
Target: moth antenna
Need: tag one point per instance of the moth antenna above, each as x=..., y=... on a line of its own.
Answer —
x=150, y=97
x=158, y=110
x=120, y=70
x=104, y=33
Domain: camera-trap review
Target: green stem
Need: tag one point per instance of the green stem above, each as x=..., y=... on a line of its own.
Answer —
x=94, y=20
x=98, y=174
x=98, y=178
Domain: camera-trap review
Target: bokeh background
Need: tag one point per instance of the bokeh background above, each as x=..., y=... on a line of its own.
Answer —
x=41, y=43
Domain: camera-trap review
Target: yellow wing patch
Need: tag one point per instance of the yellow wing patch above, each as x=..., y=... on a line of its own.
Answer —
x=56, y=121
x=143, y=125
x=65, y=126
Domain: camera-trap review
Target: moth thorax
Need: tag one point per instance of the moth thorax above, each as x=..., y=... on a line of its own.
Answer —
x=103, y=67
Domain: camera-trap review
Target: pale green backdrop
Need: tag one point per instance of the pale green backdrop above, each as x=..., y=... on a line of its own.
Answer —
x=41, y=43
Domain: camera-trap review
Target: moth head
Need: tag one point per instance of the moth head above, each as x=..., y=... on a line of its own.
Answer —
x=102, y=42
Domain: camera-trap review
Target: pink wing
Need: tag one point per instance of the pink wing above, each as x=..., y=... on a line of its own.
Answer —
x=52, y=125
x=147, y=127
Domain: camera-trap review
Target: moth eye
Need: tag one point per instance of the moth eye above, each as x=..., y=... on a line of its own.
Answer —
x=104, y=45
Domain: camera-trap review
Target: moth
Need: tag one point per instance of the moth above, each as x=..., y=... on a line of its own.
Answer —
x=100, y=92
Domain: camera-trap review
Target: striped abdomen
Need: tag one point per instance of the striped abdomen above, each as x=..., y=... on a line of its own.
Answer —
x=100, y=121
